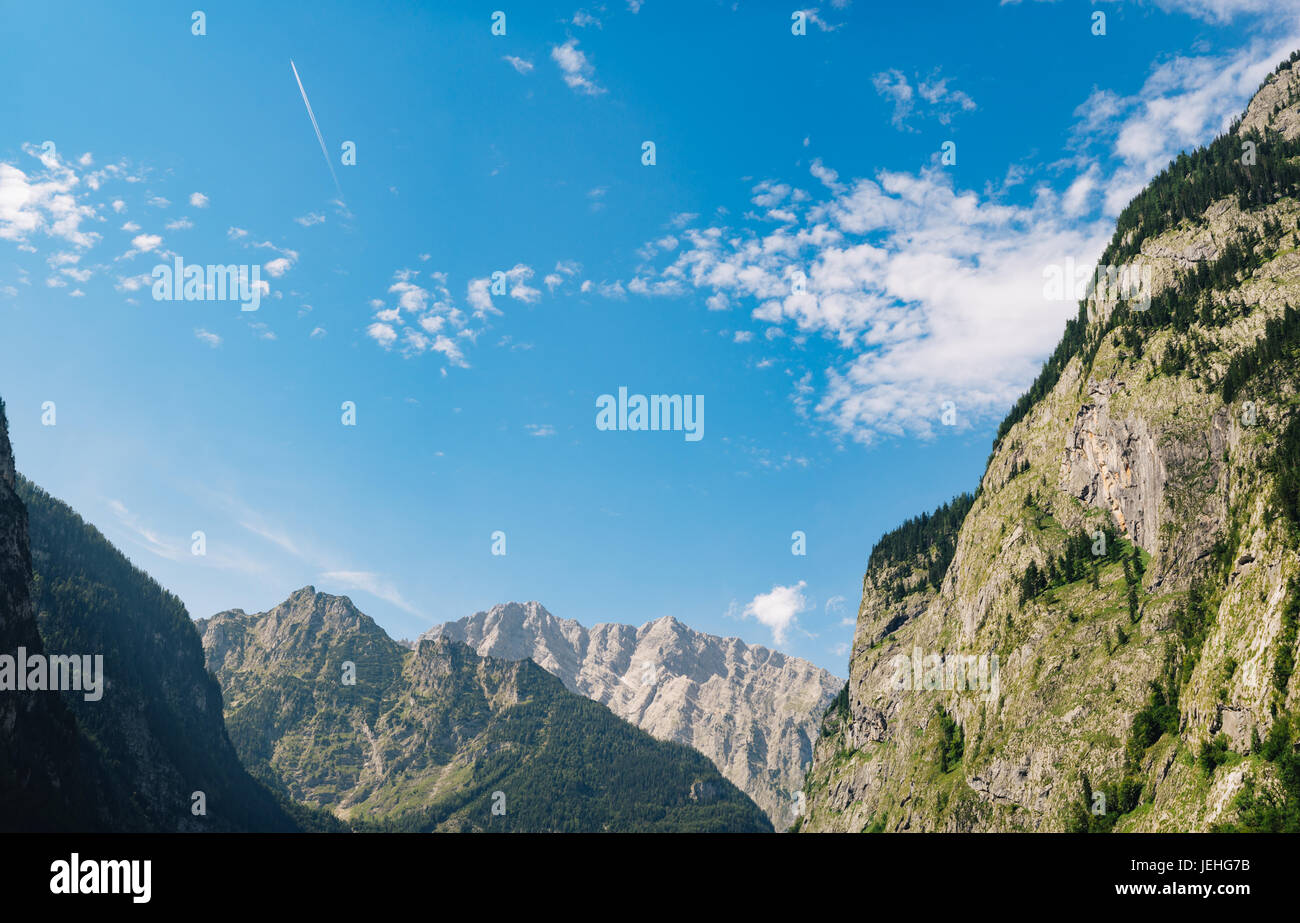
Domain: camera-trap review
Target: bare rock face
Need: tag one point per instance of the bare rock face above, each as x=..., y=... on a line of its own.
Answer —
x=1269, y=108
x=1151, y=478
x=752, y=711
x=1113, y=464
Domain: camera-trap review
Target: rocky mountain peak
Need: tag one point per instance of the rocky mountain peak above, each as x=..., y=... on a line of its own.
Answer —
x=1272, y=107
x=752, y=711
x=423, y=738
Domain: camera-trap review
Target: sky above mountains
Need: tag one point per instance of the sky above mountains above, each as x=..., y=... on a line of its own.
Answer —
x=857, y=313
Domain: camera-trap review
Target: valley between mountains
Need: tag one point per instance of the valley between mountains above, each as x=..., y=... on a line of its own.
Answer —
x=1125, y=577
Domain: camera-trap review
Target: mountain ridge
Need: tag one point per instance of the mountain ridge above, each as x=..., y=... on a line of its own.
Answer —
x=751, y=710
x=426, y=738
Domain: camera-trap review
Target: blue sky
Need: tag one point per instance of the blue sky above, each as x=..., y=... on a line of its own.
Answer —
x=775, y=154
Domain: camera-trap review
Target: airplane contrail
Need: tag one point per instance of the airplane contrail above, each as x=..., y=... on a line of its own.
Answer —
x=329, y=163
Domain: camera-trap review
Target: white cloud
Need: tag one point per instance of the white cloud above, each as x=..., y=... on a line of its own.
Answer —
x=1223, y=10
x=198, y=200
x=518, y=287
x=943, y=102
x=777, y=609
x=928, y=292
x=383, y=334
x=479, y=291
x=564, y=271
x=210, y=338
x=47, y=203
x=479, y=295
x=519, y=64
x=180, y=224
x=448, y=348
x=829, y=178
x=277, y=267
x=577, y=71
x=144, y=243
x=1182, y=104
x=540, y=429
x=422, y=312
x=133, y=283
x=816, y=20
x=310, y=218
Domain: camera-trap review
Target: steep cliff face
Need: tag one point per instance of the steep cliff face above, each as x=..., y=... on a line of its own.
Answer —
x=131, y=755
x=752, y=711
x=321, y=703
x=155, y=735
x=1129, y=562
x=42, y=781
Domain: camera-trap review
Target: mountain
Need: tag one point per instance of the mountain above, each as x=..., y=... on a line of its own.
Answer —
x=42, y=776
x=752, y=711
x=157, y=733
x=127, y=751
x=436, y=737
x=1127, y=568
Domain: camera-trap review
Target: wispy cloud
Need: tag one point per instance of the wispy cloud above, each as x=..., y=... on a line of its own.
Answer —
x=372, y=583
x=579, y=73
x=144, y=536
x=930, y=97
